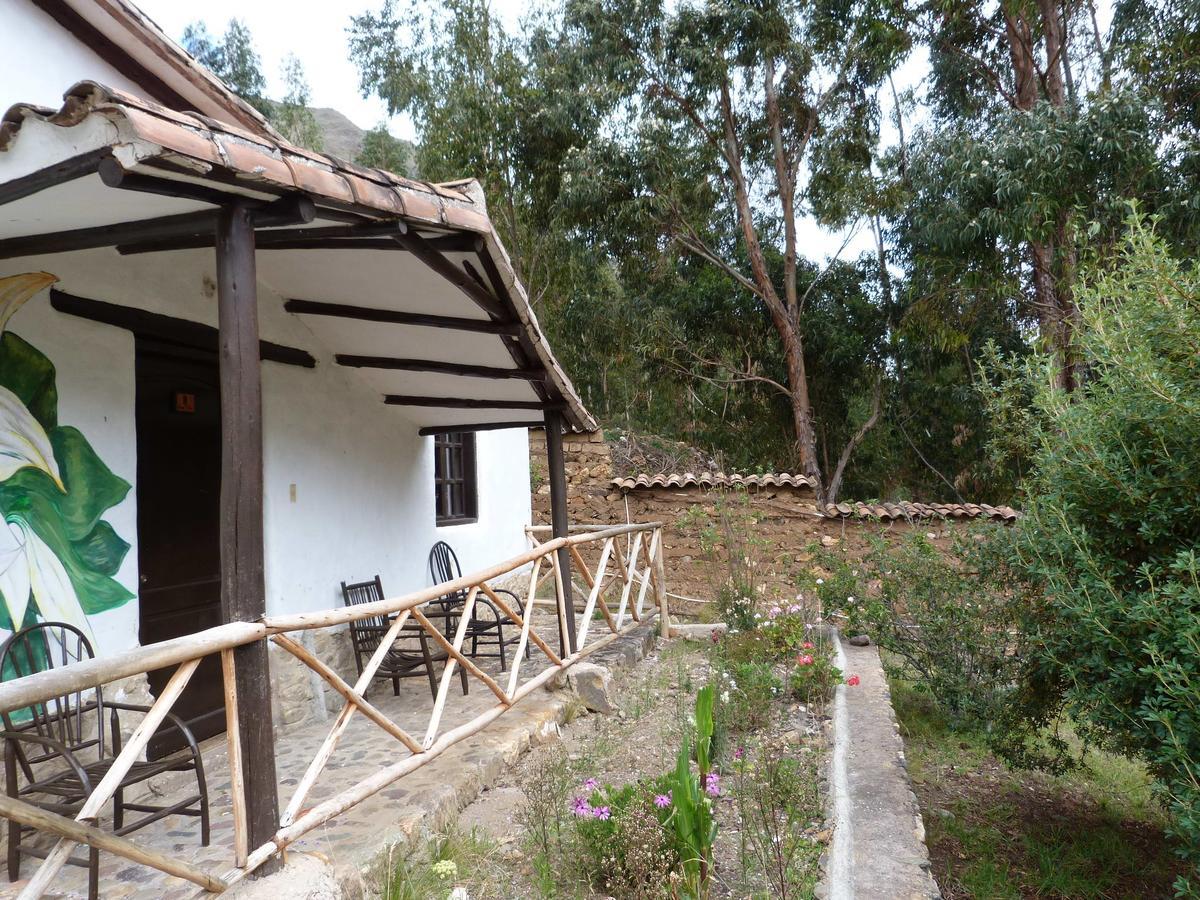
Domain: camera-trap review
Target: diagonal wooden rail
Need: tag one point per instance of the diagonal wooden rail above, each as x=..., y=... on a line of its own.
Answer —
x=639, y=564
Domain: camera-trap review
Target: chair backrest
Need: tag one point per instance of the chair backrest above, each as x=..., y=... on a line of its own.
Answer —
x=67, y=718
x=365, y=633
x=443, y=564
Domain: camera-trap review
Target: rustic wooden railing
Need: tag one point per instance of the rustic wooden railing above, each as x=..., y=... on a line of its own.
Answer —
x=638, y=564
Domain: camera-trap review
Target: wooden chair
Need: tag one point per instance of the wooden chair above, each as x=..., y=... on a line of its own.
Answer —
x=59, y=748
x=400, y=661
x=487, y=625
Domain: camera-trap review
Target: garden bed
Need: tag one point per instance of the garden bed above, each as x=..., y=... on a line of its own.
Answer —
x=594, y=814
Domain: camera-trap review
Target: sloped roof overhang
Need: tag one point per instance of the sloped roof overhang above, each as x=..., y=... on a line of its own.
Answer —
x=405, y=281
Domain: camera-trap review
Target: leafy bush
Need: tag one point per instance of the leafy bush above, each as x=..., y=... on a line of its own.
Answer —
x=1111, y=530
x=950, y=617
x=814, y=677
x=748, y=691
x=625, y=846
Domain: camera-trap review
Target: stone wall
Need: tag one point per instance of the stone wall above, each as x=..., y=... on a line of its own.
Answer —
x=786, y=529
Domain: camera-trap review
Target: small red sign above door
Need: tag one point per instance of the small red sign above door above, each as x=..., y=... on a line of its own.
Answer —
x=185, y=403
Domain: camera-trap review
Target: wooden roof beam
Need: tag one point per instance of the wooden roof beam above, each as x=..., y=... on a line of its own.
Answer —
x=467, y=403
x=443, y=368
x=397, y=317
x=286, y=211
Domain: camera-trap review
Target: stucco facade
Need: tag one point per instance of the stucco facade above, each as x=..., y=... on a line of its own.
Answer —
x=348, y=488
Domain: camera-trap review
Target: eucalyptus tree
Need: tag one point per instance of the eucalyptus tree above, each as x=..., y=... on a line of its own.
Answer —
x=1038, y=140
x=499, y=106
x=233, y=58
x=730, y=123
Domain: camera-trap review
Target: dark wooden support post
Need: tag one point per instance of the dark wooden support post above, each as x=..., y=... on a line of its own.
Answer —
x=558, y=518
x=243, y=588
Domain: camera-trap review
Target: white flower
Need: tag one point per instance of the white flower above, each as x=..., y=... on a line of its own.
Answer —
x=28, y=566
x=820, y=581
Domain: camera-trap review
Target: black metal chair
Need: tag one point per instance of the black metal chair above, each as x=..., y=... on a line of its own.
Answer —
x=401, y=661
x=59, y=747
x=486, y=629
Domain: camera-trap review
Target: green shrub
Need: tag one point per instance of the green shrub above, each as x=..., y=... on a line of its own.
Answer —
x=950, y=616
x=814, y=677
x=1111, y=530
x=748, y=691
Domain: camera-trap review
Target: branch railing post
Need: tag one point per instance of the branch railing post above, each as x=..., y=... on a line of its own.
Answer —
x=251, y=854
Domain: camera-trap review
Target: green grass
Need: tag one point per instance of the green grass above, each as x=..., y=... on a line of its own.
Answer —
x=997, y=833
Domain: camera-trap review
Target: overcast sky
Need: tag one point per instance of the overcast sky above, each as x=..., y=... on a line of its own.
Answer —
x=316, y=33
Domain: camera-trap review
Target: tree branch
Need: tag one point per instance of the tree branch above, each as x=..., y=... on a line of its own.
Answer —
x=835, y=483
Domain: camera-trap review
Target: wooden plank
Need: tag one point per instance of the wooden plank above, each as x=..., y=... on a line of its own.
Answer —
x=556, y=463
x=466, y=402
x=243, y=589
x=168, y=328
x=111, y=782
x=338, y=684
x=443, y=693
x=350, y=237
x=660, y=590
x=201, y=222
x=81, y=833
x=233, y=741
x=436, y=365
x=398, y=317
x=520, y=623
x=630, y=575
x=596, y=584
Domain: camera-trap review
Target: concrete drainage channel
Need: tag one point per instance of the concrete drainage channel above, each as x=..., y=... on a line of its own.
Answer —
x=878, y=847
x=448, y=785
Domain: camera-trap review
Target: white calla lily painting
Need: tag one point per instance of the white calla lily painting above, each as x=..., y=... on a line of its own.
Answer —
x=58, y=556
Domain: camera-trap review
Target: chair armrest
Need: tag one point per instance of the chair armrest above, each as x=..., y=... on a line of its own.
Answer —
x=170, y=720
x=57, y=746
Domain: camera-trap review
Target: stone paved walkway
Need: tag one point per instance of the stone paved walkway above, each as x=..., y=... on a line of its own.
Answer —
x=423, y=800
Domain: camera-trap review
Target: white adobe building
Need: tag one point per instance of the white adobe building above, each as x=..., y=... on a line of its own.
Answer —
x=391, y=324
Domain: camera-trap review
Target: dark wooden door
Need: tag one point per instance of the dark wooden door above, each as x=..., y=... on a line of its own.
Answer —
x=178, y=500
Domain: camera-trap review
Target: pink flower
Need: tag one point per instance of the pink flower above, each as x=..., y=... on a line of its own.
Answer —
x=716, y=635
x=852, y=681
x=662, y=801
x=805, y=660
x=712, y=784
x=795, y=608
x=739, y=753
x=580, y=807
x=602, y=812
x=591, y=784
x=775, y=610
x=807, y=645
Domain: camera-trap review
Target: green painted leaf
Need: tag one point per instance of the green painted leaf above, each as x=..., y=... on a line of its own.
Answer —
x=97, y=591
x=92, y=488
x=29, y=374
x=103, y=550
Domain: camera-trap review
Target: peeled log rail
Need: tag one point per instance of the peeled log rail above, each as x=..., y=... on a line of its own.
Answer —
x=91, y=673
x=187, y=651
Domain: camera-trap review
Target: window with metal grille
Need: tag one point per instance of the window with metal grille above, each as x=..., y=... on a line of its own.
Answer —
x=454, y=478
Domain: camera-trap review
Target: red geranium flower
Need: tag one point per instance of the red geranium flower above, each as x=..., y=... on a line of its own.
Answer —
x=852, y=681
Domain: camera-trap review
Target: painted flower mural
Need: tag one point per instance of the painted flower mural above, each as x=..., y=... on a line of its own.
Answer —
x=57, y=554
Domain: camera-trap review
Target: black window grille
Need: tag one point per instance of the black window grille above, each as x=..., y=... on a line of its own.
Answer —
x=455, y=489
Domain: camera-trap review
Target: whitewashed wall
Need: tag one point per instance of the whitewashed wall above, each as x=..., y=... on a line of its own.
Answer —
x=364, y=499
x=41, y=59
